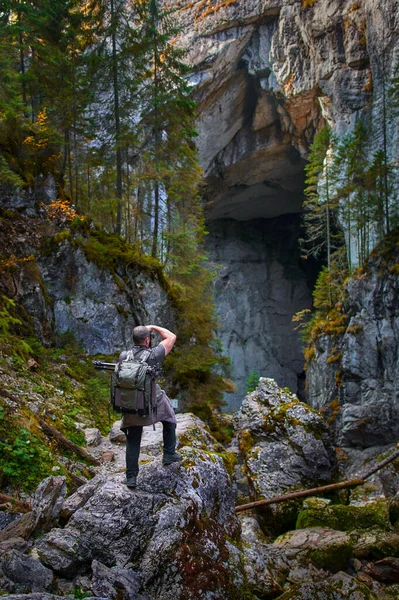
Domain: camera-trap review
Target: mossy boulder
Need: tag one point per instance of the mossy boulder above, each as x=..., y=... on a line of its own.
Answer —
x=375, y=544
x=286, y=447
x=346, y=518
x=326, y=548
x=338, y=587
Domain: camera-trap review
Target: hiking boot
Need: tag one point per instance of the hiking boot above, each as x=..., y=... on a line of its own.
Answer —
x=168, y=459
x=131, y=482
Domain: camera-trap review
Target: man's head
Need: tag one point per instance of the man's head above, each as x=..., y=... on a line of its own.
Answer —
x=140, y=335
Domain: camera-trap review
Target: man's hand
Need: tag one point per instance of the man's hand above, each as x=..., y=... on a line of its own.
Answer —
x=168, y=338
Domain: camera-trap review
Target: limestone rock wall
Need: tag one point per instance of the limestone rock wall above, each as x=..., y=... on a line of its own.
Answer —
x=258, y=288
x=362, y=385
x=62, y=291
x=100, y=307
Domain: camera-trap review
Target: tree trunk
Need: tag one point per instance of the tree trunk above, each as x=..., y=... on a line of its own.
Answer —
x=119, y=183
x=67, y=444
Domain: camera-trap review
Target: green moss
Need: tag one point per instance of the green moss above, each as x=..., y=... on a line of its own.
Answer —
x=334, y=558
x=375, y=544
x=229, y=460
x=346, y=518
x=246, y=441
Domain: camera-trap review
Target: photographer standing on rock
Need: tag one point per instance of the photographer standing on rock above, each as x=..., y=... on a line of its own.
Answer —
x=132, y=424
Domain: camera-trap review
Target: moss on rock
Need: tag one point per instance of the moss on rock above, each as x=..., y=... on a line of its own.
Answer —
x=346, y=518
x=375, y=544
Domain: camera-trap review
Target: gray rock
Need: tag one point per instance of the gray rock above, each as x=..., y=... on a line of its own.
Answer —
x=81, y=496
x=46, y=509
x=17, y=543
x=92, y=436
x=285, y=444
x=99, y=307
x=363, y=384
x=114, y=583
x=180, y=520
x=266, y=75
x=265, y=566
x=35, y=596
x=116, y=435
x=22, y=569
x=6, y=518
x=326, y=548
x=47, y=502
x=259, y=286
x=343, y=588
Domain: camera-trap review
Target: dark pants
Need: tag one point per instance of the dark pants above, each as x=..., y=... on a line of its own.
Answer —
x=133, y=439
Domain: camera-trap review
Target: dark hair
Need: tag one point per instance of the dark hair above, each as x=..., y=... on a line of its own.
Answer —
x=140, y=334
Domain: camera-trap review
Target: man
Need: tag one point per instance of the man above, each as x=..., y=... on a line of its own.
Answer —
x=132, y=425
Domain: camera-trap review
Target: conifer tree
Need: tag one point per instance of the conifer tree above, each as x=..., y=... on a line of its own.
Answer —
x=320, y=218
x=350, y=162
x=168, y=115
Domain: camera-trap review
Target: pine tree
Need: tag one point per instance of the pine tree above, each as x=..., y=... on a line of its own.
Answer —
x=379, y=182
x=47, y=42
x=320, y=218
x=168, y=115
x=350, y=165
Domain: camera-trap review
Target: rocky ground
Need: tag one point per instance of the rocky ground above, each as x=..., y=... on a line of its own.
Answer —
x=178, y=535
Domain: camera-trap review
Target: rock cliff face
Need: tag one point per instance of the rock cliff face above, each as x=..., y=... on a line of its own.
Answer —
x=363, y=383
x=266, y=74
x=63, y=289
x=259, y=286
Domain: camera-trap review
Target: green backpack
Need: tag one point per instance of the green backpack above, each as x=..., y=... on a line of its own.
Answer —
x=133, y=385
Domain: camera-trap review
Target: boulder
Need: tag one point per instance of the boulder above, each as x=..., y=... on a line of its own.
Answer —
x=17, y=543
x=46, y=509
x=92, y=436
x=25, y=571
x=265, y=565
x=115, y=434
x=385, y=570
x=37, y=596
x=326, y=548
x=285, y=446
x=115, y=583
x=6, y=518
x=339, y=587
x=176, y=531
x=375, y=544
x=81, y=496
x=346, y=518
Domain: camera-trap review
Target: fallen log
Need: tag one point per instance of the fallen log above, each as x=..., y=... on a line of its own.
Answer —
x=67, y=444
x=319, y=490
x=17, y=505
x=350, y=483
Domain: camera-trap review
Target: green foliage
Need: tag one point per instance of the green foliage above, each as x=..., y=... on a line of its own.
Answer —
x=6, y=318
x=96, y=400
x=327, y=289
x=7, y=176
x=79, y=594
x=252, y=381
x=24, y=458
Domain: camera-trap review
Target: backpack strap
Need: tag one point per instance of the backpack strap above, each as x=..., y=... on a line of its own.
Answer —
x=144, y=356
